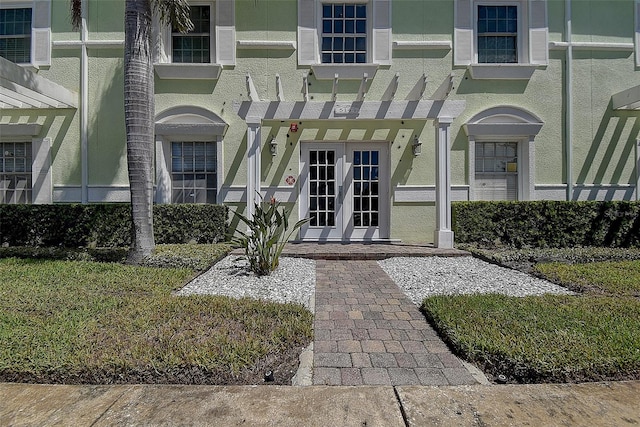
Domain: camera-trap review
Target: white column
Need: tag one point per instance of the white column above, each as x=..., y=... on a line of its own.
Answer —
x=443, y=235
x=253, y=163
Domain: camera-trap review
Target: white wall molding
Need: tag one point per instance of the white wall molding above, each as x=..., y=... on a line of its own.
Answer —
x=238, y=194
x=624, y=47
x=427, y=193
x=422, y=45
x=550, y=192
x=266, y=44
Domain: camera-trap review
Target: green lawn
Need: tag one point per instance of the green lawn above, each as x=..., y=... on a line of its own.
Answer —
x=617, y=278
x=76, y=321
x=551, y=338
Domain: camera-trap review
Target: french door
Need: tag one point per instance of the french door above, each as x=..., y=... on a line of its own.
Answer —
x=344, y=191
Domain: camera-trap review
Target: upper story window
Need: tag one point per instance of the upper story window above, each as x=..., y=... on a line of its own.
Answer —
x=15, y=35
x=195, y=46
x=497, y=35
x=348, y=39
x=25, y=32
x=344, y=33
x=500, y=39
x=203, y=52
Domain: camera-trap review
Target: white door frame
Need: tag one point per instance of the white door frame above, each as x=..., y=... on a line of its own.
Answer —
x=345, y=229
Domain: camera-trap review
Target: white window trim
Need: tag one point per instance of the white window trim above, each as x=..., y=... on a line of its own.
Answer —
x=506, y=124
x=168, y=36
x=532, y=39
x=222, y=31
x=521, y=36
x=378, y=29
x=636, y=38
x=41, y=176
x=186, y=124
x=40, y=29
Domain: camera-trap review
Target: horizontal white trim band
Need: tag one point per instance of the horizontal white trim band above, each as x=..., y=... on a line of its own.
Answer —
x=427, y=193
x=422, y=44
x=95, y=44
x=592, y=46
x=266, y=44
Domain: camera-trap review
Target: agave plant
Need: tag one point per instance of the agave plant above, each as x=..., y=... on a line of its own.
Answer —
x=268, y=232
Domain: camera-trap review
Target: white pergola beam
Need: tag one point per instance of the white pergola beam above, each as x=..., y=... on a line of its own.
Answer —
x=305, y=87
x=371, y=110
x=279, y=90
x=24, y=85
x=251, y=89
x=363, y=88
x=628, y=99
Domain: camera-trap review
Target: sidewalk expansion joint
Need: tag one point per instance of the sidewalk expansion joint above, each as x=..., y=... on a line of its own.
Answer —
x=402, y=410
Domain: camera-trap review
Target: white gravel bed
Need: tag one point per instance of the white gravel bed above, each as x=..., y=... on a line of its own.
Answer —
x=428, y=276
x=293, y=281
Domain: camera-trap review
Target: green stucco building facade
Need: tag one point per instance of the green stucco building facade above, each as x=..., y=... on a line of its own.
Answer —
x=368, y=116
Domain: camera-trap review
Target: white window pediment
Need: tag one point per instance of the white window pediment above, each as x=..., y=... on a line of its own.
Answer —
x=316, y=42
x=502, y=127
x=218, y=39
x=189, y=122
x=529, y=38
x=503, y=121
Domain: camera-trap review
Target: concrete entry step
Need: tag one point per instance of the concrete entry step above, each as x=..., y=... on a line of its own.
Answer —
x=365, y=251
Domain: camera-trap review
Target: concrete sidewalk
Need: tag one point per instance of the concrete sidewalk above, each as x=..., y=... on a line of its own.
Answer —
x=593, y=404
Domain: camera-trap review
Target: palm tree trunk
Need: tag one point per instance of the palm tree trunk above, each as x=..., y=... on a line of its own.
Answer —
x=139, y=116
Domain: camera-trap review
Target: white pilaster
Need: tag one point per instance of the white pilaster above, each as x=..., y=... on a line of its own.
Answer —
x=253, y=164
x=443, y=236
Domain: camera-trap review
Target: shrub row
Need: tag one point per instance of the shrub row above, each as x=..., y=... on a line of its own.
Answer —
x=547, y=224
x=107, y=225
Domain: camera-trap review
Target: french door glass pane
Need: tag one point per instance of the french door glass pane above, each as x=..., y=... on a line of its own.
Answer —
x=322, y=188
x=365, y=188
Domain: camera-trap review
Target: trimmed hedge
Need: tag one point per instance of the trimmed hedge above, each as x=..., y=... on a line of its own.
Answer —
x=107, y=225
x=547, y=224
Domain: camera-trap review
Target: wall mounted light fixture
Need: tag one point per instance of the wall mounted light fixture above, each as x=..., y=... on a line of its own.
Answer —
x=273, y=146
x=416, y=147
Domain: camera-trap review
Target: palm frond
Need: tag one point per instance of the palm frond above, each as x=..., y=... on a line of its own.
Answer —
x=176, y=13
x=76, y=14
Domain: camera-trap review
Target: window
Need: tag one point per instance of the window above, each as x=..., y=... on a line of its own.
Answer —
x=15, y=35
x=344, y=33
x=201, y=53
x=195, y=46
x=348, y=39
x=25, y=32
x=496, y=174
x=497, y=34
x=15, y=172
x=193, y=172
x=502, y=153
x=501, y=39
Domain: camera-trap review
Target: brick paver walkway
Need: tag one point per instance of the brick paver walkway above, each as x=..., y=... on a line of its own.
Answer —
x=367, y=332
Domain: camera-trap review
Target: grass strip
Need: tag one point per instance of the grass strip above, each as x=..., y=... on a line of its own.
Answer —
x=547, y=338
x=610, y=277
x=88, y=322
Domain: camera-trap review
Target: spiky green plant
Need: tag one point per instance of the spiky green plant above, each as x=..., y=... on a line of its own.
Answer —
x=268, y=232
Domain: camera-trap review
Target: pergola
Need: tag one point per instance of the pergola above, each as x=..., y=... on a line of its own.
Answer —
x=437, y=108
